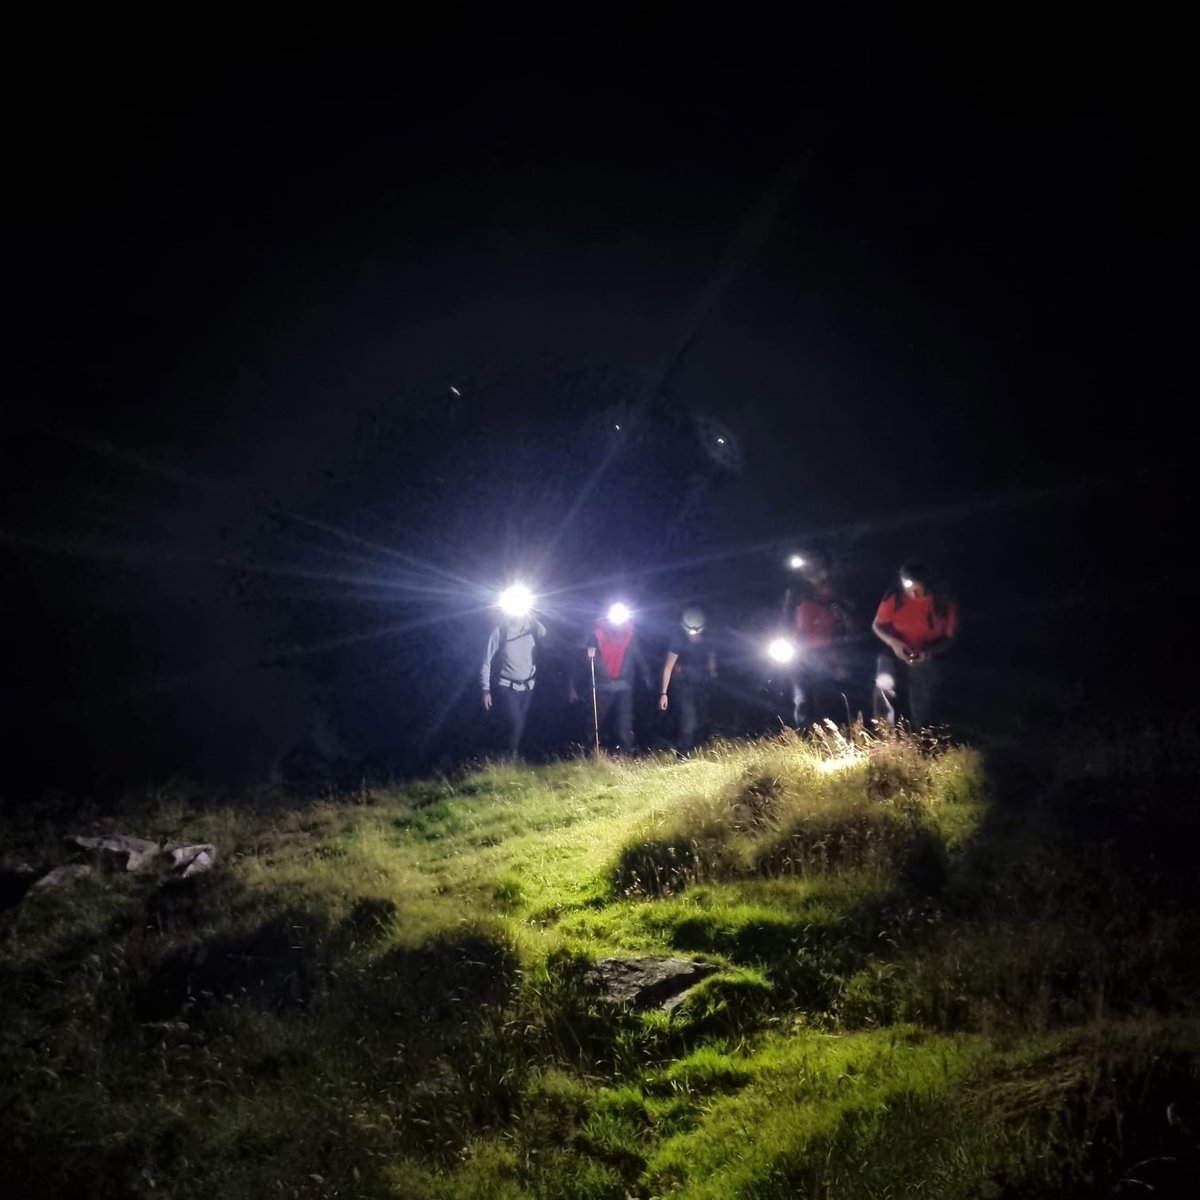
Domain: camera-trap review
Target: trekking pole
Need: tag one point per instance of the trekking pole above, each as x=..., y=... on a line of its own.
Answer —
x=595, y=703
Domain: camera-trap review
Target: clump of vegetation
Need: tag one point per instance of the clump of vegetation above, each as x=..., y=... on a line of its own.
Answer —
x=927, y=972
x=871, y=806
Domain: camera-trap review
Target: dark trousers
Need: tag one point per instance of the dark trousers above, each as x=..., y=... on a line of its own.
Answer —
x=915, y=694
x=616, y=699
x=514, y=709
x=690, y=701
x=817, y=690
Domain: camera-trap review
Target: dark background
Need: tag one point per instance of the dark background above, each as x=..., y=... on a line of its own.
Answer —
x=930, y=278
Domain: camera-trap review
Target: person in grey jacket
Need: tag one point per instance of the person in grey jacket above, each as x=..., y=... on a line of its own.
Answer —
x=511, y=652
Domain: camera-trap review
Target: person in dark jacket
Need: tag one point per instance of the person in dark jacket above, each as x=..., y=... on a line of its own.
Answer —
x=820, y=627
x=918, y=623
x=691, y=663
x=615, y=649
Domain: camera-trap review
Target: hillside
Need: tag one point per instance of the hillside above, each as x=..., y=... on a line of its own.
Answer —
x=932, y=971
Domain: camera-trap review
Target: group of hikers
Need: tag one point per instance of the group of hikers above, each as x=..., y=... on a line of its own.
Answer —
x=816, y=657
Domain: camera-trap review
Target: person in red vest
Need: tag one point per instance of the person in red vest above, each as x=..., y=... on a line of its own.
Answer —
x=918, y=623
x=818, y=616
x=617, y=652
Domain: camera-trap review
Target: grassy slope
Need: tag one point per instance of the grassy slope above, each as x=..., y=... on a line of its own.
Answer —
x=923, y=990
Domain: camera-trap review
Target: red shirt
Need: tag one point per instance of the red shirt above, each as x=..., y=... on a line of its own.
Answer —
x=819, y=617
x=916, y=622
x=816, y=622
x=613, y=644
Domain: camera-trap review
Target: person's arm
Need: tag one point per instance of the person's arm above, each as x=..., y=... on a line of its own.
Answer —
x=842, y=615
x=886, y=633
x=485, y=674
x=668, y=667
x=943, y=643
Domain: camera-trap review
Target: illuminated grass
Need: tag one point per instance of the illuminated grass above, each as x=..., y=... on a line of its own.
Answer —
x=386, y=995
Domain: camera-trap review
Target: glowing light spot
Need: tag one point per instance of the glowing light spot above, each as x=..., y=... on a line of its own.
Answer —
x=516, y=601
x=796, y=562
x=843, y=762
x=782, y=650
x=619, y=613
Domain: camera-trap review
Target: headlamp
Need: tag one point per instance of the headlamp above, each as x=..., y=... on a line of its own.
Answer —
x=782, y=650
x=516, y=601
x=618, y=613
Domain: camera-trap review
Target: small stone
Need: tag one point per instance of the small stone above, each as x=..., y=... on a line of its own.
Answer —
x=61, y=876
x=647, y=982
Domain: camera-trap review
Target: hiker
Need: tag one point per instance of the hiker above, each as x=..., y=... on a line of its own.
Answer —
x=619, y=660
x=820, y=626
x=689, y=666
x=918, y=623
x=511, y=652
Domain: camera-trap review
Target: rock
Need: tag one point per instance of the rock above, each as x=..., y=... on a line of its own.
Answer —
x=202, y=862
x=61, y=876
x=647, y=982
x=135, y=854
x=139, y=853
x=193, y=858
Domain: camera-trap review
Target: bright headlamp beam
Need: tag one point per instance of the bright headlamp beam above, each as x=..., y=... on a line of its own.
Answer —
x=516, y=601
x=904, y=579
x=796, y=562
x=618, y=613
x=782, y=650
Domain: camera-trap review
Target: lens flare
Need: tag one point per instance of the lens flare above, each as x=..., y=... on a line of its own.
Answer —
x=619, y=613
x=516, y=601
x=782, y=650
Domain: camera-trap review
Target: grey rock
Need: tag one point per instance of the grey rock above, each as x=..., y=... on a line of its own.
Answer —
x=194, y=858
x=138, y=852
x=61, y=876
x=647, y=982
x=191, y=858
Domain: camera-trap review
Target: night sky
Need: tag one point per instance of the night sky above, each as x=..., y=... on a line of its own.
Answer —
x=934, y=276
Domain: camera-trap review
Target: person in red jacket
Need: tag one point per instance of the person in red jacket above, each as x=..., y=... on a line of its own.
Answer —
x=615, y=647
x=818, y=617
x=918, y=624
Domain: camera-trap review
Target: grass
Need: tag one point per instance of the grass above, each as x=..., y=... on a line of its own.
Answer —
x=938, y=975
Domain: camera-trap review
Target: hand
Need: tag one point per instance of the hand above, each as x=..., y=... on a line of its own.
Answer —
x=487, y=701
x=919, y=657
x=591, y=652
x=662, y=702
